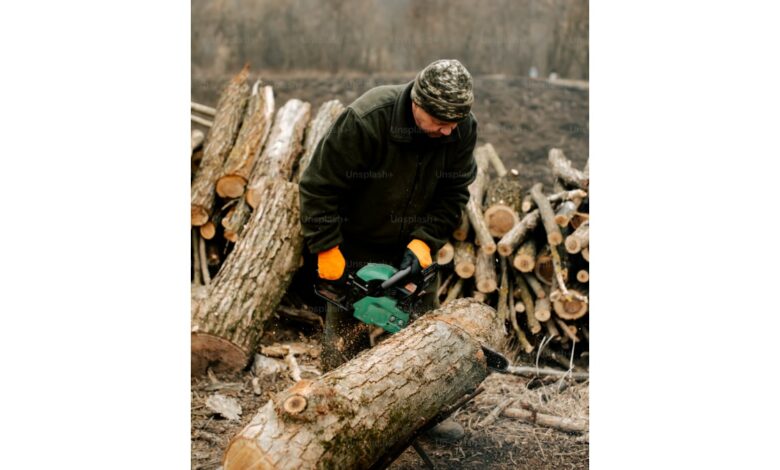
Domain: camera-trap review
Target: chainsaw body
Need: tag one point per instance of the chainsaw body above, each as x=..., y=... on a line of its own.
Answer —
x=380, y=295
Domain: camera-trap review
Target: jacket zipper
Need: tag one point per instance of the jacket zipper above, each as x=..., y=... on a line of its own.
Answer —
x=411, y=195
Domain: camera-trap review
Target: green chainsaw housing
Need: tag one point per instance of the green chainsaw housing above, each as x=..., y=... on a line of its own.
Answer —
x=379, y=311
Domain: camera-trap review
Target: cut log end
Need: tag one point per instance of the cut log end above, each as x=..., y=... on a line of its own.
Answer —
x=500, y=219
x=219, y=354
x=524, y=263
x=198, y=216
x=252, y=197
x=570, y=309
x=230, y=235
x=573, y=245
x=586, y=254
x=445, y=254
x=488, y=248
x=542, y=312
x=231, y=186
x=554, y=239
x=583, y=276
x=487, y=286
x=504, y=249
x=465, y=270
x=295, y=404
x=208, y=230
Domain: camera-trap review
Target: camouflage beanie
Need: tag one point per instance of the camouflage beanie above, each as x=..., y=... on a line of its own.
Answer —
x=444, y=90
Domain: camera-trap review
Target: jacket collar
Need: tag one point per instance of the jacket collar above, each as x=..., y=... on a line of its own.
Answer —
x=402, y=124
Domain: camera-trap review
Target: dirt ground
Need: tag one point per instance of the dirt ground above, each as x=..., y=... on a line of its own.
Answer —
x=523, y=119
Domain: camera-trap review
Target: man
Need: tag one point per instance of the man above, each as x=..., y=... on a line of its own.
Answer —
x=387, y=184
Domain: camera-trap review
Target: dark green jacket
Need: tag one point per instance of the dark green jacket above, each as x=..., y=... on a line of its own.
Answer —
x=376, y=180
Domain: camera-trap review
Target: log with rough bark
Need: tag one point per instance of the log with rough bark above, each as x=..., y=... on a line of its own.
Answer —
x=525, y=258
x=503, y=199
x=562, y=169
x=230, y=111
x=228, y=321
x=445, y=254
x=235, y=220
x=282, y=148
x=196, y=140
x=315, y=131
x=474, y=205
x=373, y=405
x=579, y=239
x=518, y=233
x=535, y=286
x=461, y=232
x=503, y=307
x=554, y=237
x=464, y=259
x=253, y=135
x=485, y=275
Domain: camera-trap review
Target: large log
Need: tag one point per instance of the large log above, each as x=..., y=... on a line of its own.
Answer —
x=282, y=149
x=374, y=404
x=562, y=169
x=474, y=205
x=229, y=319
x=253, y=135
x=230, y=111
x=315, y=131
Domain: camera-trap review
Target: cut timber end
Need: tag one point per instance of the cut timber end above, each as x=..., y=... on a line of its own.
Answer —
x=445, y=254
x=231, y=186
x=570, y=309
x=198, y=216
x=573, y=244
x=219, y=354
x=542, y=312
x=465, y=270
x=295, y=404
x=487, y=286
x=524, y=263
x=252, y=197
x=586, y=254
x=500, y=219
x=583, y=276
x=208, y=230
x=554, y=239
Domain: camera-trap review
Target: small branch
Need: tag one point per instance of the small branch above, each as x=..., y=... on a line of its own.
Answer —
x=200, y=120
x=202, y=108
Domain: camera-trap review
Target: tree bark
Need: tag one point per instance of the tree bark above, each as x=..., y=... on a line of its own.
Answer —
x=230, y=111
x=562, y=169
x=283, y=148
x=253, y=135
x=554, y=237
x=519, y=232
x=227, y=323
x=465, y=259
x=486, y=273
x=525, y=295
x=495, y=160
x=236, y=219
x=474, y=205
x=528, y=201
x=315, y=131
x=372, y=405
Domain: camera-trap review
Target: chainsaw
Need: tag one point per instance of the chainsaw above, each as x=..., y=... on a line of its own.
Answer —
x=380, y=294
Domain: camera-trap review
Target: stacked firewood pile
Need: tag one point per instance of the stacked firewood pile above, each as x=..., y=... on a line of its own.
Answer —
x=525, y=252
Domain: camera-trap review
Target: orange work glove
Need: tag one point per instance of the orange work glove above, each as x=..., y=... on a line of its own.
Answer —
x=421, y=251
x=331, y=264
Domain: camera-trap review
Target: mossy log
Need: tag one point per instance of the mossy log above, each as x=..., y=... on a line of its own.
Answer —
x=355, y=415
x=228, y=319
x=253, y=135
x=219, y=142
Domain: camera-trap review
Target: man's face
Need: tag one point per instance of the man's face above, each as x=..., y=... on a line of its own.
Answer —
x=432, y=127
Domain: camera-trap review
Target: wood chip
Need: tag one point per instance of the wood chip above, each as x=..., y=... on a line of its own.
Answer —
x=226, y=407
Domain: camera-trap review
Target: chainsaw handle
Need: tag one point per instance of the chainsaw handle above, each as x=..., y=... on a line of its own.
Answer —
x=396, y=277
